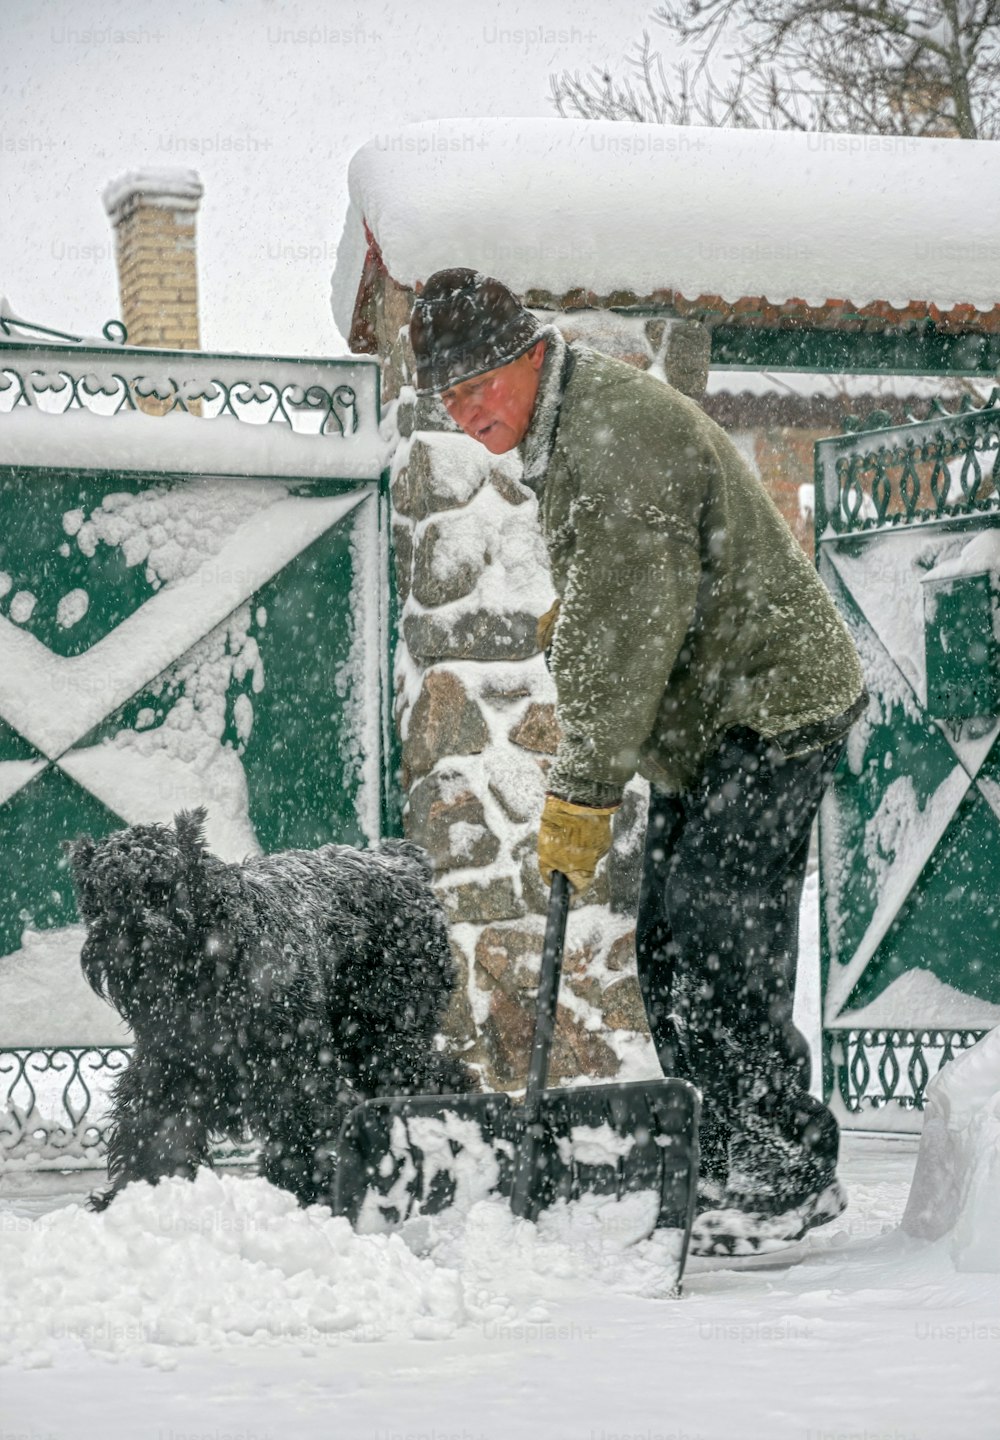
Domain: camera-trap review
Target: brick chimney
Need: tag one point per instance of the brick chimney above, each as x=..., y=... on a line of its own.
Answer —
x=153, y=213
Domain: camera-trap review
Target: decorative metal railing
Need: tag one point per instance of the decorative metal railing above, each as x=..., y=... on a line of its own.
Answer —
x=932, y=469
x=877, y=1068
x=54, y=1106
x=109, y=387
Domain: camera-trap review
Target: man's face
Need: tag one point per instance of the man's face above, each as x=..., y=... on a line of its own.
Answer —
x=495, y=408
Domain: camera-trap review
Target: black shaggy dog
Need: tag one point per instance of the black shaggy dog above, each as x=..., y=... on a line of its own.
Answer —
x=267, y=997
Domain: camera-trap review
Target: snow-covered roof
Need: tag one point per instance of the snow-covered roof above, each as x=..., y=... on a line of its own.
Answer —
x=554, y=205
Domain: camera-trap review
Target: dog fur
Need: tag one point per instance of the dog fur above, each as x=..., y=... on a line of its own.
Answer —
x=265, y=998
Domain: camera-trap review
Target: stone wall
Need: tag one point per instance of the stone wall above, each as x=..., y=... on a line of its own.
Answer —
x=475, y=707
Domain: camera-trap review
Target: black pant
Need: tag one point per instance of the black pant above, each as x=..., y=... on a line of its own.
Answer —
x=717, y=943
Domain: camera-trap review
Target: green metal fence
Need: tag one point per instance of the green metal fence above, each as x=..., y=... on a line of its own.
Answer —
x=194, y=609
x=908, y=541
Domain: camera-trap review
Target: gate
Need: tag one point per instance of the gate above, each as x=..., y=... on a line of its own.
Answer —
x=908, y=541
x=193, y=611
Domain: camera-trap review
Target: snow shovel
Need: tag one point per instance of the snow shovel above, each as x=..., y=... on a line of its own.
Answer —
x=398, y=1158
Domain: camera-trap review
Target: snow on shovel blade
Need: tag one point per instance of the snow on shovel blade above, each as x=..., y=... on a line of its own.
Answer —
x=616, y=1140
x=419, y=1155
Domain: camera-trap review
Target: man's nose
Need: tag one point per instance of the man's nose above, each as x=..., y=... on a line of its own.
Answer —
x=468, y=414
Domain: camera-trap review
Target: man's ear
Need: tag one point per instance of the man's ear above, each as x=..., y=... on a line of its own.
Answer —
x=537, y=354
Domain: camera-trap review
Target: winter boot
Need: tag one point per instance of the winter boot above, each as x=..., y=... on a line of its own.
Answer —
x=735, y=1229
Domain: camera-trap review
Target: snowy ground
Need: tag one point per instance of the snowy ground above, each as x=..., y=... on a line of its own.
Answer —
x=218, y=1311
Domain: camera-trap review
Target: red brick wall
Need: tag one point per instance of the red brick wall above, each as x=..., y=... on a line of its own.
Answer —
x=785, y=461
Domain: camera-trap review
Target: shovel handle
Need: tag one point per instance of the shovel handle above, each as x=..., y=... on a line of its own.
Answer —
x=522, y=1199
x=548, y=991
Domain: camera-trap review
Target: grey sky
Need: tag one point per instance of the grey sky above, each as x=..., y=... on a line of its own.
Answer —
x=267, y=100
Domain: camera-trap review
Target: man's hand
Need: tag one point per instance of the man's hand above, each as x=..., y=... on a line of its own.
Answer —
x=572, y=838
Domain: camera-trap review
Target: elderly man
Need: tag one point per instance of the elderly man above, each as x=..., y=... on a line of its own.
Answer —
x=694, y=643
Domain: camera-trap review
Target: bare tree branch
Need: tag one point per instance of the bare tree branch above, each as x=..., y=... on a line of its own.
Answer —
x=901, y=67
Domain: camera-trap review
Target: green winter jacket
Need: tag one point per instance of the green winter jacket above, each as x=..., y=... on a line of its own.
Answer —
x=687, y=605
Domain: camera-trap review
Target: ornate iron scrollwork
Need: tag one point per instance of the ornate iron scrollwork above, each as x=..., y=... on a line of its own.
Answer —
x=886, y=1067
x=259, y=401
x=948, y=467
x=46, y=1125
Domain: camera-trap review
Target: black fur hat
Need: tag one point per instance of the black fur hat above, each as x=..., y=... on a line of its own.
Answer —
x=463, y=324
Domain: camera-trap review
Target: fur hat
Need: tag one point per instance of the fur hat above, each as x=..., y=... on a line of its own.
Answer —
x=463, y=324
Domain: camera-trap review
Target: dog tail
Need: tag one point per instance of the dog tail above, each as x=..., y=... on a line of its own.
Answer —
x=407, y=850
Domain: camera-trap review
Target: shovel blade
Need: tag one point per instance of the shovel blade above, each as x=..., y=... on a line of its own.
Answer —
x=616, y=1140
x=419, y=1155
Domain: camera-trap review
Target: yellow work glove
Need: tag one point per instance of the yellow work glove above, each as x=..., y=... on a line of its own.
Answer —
x=572, y=838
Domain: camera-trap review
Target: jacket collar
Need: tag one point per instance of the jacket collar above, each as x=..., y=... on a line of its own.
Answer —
x=539, y=441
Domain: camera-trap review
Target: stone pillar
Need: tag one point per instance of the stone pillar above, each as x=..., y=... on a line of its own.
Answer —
x=153, y=213
x=683, y=348
x=475, y=709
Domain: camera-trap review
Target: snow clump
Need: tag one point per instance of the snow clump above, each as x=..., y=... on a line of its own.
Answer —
x=221, y=1260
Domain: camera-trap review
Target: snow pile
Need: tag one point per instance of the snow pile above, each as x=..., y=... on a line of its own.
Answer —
x=219, y=1260
x=228, y=1261
x=956, y=1185
x=652, y=207
x=872, y=1333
